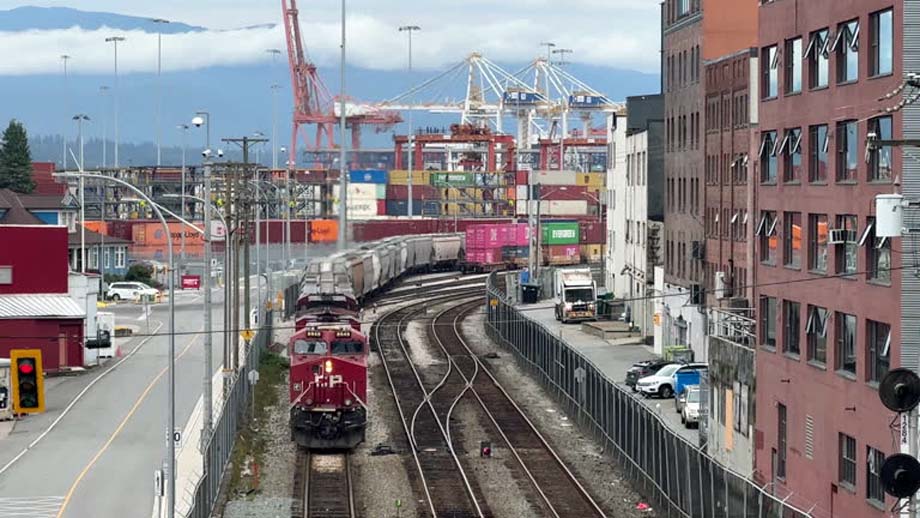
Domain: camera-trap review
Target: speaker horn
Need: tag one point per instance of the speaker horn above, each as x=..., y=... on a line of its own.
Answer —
x=900, y=390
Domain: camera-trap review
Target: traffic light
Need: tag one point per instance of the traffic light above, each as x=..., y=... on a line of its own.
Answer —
x=28, y=381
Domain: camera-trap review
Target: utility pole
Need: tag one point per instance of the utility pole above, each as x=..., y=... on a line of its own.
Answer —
x=160, y=22
x=208, y=354
x=410, y=29
x=182, y=261
x=343, y=168
x=104, y=90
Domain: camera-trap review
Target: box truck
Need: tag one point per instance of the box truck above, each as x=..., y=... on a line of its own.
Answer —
x=575, y=295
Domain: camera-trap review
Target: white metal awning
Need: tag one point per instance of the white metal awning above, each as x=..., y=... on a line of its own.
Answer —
x=39, y=306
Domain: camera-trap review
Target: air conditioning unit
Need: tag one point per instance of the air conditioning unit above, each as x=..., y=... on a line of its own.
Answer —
x=840, y=236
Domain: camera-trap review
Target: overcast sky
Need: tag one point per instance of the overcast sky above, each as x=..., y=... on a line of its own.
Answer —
x=615, y=33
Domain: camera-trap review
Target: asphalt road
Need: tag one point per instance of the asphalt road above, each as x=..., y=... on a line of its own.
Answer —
x=98, y=459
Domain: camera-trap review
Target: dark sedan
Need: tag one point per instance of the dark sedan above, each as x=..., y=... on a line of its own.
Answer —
x=643, y=369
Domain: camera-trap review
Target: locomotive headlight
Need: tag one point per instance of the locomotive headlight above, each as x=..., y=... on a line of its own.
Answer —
x=328, y=366
x=348, y=402
x=309, y=402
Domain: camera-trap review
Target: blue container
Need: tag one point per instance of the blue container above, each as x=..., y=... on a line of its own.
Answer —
x=368, y=176
x=401, y=208
x=687, y=375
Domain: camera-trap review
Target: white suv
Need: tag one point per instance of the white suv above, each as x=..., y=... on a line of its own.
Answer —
x=129, y=291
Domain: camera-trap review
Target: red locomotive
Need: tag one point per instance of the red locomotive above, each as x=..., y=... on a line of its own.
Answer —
x=328, y=385
x=316, y=308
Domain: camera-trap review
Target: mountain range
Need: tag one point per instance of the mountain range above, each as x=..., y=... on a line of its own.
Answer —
x=238, y=97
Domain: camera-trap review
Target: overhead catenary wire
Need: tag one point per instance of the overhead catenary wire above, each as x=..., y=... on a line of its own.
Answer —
x=525, y=309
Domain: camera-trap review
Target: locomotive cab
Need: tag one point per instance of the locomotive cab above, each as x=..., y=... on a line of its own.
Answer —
x=328, y=386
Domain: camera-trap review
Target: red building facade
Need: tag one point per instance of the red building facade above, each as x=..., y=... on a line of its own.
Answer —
x=36, y=311
x=827, y=290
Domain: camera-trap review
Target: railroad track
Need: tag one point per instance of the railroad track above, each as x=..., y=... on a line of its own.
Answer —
x=559, y=491
x=448, y=492
x=322, y=486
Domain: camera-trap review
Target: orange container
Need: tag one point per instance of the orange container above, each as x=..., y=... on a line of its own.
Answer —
x=152, y=234
x=99, y=227
x=324, y=231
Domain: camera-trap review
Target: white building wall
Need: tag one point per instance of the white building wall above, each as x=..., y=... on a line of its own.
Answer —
x=616, y=227
x=681, y=323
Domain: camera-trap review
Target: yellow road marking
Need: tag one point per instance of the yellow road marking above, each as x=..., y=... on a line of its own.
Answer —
x=117, y=431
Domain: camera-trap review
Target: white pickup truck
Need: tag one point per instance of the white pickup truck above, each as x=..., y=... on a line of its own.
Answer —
x=576, y=295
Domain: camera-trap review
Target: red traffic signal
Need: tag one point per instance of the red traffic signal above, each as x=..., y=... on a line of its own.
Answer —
x=28, y=389
x=26, y=367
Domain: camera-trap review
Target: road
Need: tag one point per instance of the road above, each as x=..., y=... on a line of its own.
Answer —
x=98, y=459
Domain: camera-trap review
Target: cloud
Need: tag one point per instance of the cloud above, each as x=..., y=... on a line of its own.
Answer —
x=450, y=32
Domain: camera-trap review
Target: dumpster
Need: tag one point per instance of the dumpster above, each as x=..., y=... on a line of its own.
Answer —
x=530, y=293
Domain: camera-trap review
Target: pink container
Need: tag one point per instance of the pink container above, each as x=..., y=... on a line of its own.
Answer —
x=521, y=235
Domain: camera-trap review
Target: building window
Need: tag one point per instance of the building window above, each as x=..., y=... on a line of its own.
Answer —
x=766, y=230
x=846, y=343
x=770, y=71
x=880, y=159
x=882, y=39
x=847, y=460
x=847, y=161
x=845, y=246
x=875, y=492
x=791, y=149
x=781, y=429
x=817, y=146
x=792, y=239
x=120, y=254
x=847, y=47
x=683, y=7
x=768, y=321
x=791, y=327
x=817, y=242
x=768, y=149
x=816, y=330
x=878, y=254
x=106, y=257
x=817, y=53
x=793, y=68
x=878, y=340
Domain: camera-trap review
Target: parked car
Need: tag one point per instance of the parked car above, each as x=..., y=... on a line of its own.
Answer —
x=690, y=413
x=681, y=399
x=643, y=369
x=129, y=290
x=688, y=374
x=659, y=384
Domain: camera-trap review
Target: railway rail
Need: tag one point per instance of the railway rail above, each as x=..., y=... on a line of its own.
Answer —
x=447, y=490
x=322, y=486
x=559, y=491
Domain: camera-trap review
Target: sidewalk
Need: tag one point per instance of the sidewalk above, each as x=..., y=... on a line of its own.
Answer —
x=613, y=357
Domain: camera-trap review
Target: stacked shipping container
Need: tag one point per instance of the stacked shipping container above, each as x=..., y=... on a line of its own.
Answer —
x=498, y=244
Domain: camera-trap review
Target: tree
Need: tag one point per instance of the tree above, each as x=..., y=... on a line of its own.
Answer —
x=16, y=159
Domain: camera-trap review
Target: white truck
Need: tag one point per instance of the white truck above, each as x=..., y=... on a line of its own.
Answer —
x=576, y=295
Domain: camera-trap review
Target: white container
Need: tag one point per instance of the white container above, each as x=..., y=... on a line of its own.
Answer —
x=363, y=191
x=522, y=192
x=889, y=215
x=521, y=208
x=563, y=208
x=553, y=178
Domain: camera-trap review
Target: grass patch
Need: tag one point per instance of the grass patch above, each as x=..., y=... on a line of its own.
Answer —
x=251, y=443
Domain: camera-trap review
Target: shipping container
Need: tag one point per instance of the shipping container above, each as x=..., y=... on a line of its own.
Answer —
x=453, y=179
x=592, y=253
x=362, y=191
x=560, y=233
x=554, y=177
x=401, y=208
x=592, y=232
x=510, y=193
x=563, y=208
x=591, y=179
x=323, y=230
x=153, y=234
x=560, y=192
x=381, y=207
x=419, y=192
x=520, y=177
x=402, y=178
x=557, y=255
x=368, y=176
x=521, y=208
x=460, y=195
x=522, y=193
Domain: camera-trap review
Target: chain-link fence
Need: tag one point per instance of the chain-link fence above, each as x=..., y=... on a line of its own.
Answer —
x=676, y=475
x=237, y=402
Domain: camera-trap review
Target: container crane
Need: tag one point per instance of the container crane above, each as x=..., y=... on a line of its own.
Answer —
x=314, y=105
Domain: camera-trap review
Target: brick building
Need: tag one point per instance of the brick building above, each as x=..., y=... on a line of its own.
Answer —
x=828, y=292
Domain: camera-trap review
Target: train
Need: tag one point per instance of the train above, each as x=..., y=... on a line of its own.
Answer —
x=329, y=350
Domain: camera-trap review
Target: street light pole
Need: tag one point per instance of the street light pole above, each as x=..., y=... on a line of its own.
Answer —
x=275, y=87
x=80, y=117
x=410, y=29
x=114, y=40
x=64, y=59
x=104, y=90
x=182, y=263
x=343, y=168
x=160, y=22
x=171, y=426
